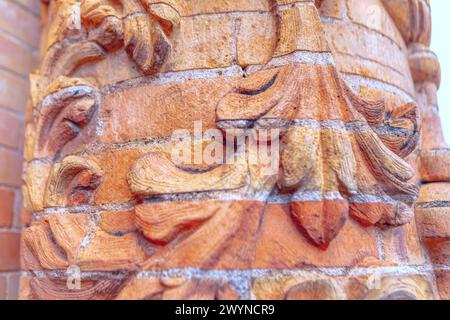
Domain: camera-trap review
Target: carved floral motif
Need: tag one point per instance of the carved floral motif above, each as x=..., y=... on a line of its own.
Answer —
x=85, y=32
x=332, y=160
x=340, y=157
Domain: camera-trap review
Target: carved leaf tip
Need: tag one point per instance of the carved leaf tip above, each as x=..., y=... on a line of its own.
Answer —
x=335, y=160
x=72, y=182
x=155, y=174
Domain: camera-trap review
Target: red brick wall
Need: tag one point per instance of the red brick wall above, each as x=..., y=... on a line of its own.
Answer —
x=19, y=37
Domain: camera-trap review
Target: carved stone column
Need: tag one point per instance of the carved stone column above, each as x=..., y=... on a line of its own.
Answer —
x=413, y=19
x=432, y=211
x=115, y=216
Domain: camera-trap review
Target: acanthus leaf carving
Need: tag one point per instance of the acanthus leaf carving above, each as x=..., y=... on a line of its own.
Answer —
x=340, y=156
x=333, y=164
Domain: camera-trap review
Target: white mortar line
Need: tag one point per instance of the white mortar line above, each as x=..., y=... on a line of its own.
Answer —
x=238, y=274
x=226, y=196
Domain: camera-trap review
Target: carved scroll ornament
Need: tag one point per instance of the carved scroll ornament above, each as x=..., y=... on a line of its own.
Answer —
x=333, y=163
x=340, y=156
x=413, y=19
x=84, y=32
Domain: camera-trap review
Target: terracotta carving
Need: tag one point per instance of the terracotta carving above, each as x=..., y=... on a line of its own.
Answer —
x=117, y=78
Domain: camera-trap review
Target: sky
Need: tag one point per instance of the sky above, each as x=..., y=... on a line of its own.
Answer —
x=440, y=44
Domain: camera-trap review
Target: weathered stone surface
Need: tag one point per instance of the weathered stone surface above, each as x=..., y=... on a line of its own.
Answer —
x=373, y=15
x=355, y=41
x=322, y=287
x=262, y=45
x=333, y=219
x=443, y=280
x=117, y=222
x=162, y=109
x=403, y=245
x=178, y=288
x=300, y=30
x=282, y=246
x=205, y=43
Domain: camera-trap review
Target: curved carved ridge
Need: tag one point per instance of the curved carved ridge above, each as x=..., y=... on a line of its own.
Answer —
x=398, y=130
x=328, y=147
x=48, y=289
x=72, y=182
x=137, y=44
x=210, y=246
x=54, y=241
x=155, y=174
x=323, y=289
x=370, y=287
x=64, y=60
x=57, y=242
x=61, y=116
x=96, y=28
x=43, y=251
x=51, y=244
x=106, y=26
x=178, y=288
x=401, y=289
x=161, y=223
x=143, y=33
